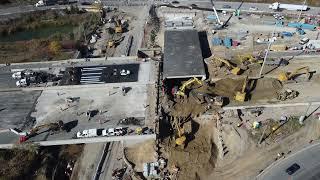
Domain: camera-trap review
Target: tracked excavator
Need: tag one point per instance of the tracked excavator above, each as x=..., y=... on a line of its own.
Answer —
x=113, y=42
x=286, y=76
x=241, y=95
x=183, y=127
x=183, y=87
x=247, y=59
x=51, y=127
x=118, y=28
x=233, y=69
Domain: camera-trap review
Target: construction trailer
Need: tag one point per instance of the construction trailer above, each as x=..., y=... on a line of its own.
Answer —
x=290, y=7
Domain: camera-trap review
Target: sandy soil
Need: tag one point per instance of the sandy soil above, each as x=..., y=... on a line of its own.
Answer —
x=141, y=153
x=197, y=159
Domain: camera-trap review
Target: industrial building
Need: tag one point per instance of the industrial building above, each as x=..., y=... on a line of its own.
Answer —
x=182, y=55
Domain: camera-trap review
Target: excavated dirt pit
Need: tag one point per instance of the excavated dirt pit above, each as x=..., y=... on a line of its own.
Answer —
x=197, y=159
x=141, y=153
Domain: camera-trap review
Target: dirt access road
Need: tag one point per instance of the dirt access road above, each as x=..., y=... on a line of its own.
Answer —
x=256, y=158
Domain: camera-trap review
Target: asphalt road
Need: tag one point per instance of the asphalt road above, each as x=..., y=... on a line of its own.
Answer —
x=308, y=159
x=200, y=3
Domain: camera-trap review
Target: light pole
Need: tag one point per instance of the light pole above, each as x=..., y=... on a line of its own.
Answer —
x=267, y=52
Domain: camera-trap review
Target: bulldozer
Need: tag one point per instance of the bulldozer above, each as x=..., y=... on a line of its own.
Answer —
x=286, y=76
x=233, y=69
x=51, y=127
x=183, y=87
x=241, y=95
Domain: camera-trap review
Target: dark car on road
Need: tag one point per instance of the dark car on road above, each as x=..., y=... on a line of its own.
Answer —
x=293, y=168
x=226, y=6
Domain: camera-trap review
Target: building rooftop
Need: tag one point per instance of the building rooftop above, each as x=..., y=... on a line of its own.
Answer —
x=182, y=55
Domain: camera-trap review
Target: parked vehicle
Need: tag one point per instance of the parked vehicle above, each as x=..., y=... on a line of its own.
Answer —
x=293, y=168
x=226, y=6
x=87, y=133
x=22, y=74
x=290, y=7
x=304, y=41
x=253, y=9
x=22, y=83
x=119, y=131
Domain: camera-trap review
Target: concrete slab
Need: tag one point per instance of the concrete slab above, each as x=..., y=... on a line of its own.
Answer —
x=16, y=107
x=52, y=106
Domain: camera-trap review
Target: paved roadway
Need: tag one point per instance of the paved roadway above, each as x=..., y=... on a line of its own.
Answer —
x=200, y=3
x=308, y=159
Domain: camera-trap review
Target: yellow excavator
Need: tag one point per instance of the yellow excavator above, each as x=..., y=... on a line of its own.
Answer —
x=182, y=88
x=113, y=43
x=285, y=76
x=118, y=28
x=233, y=69
x=247, y=59
x=241, y=95
x=180, y=139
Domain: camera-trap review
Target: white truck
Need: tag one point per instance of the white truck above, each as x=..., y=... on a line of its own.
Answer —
x=22, y=83
x=39, y=3
x=87, y=133
x=290, y=7
x=22, y=74
x=113, y=132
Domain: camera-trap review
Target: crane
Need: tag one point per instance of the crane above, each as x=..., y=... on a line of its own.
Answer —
x=187, y=83
x=223, y=25
x=241, y=95
x=285, y=76
x=233, y=69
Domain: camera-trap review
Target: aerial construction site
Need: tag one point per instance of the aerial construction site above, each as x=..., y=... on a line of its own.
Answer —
x=166, y=90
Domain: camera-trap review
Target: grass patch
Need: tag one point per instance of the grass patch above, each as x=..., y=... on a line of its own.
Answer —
x=275, y=131
x=30, y=38
x=37, y=163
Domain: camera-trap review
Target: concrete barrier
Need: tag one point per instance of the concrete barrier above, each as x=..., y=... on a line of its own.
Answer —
x=87, y=140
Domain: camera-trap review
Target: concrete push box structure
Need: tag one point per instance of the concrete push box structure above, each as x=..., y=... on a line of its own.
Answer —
x=182, y=55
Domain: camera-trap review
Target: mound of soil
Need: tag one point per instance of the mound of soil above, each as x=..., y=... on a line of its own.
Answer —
x=197, y=160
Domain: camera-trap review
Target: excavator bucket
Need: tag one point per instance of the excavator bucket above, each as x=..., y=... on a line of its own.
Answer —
x=283, y=77
x=180, y=141
x=236, y=71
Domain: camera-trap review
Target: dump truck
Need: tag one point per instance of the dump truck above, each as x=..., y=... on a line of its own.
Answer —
x=291, y=7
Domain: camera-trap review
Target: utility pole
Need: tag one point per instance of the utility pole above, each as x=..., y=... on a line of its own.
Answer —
x=301, y=10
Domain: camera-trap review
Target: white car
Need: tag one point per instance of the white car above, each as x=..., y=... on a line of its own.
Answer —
x=253, y=9
x=124, y=72
x=22, y=83
x=304, y=41
x=113, y=131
